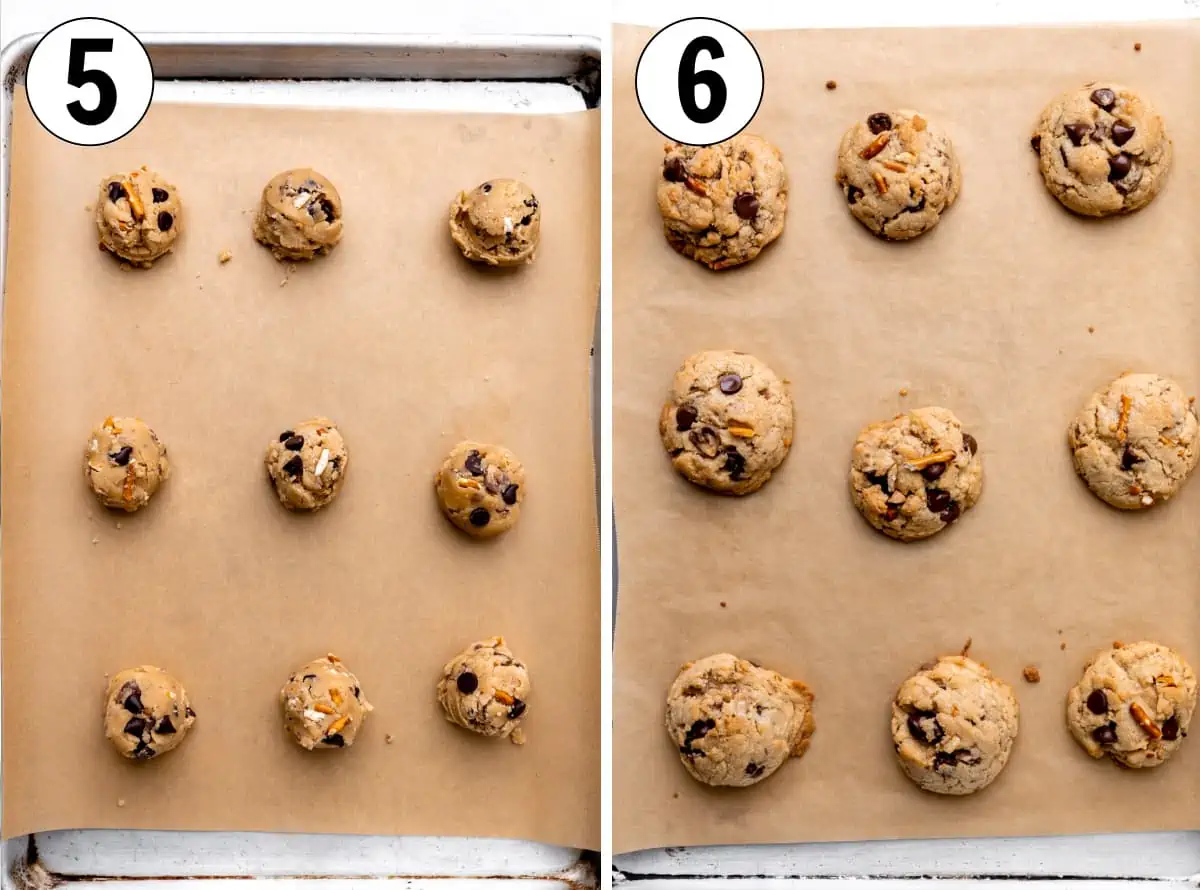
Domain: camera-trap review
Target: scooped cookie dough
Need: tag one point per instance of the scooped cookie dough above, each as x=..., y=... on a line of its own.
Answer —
x=1135, y=441
x=722, y=204
x=898, y=172
x=300, y=215
x=915, y=474
x=307, y=464
x=727, y=422
x=953, y=726
x=1102, y=149
x=480, y=488
x=1134, y=704
x=146, y=712
x=498, y=222
x=323, y=705
x=125, y=463
x=139, y=216
x=735, y=723
x=485, y=689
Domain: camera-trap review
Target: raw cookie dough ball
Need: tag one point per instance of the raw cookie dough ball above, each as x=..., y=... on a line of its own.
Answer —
x=146, y=712
x=915, y=474
x=480, y=488
x=899, y=173
x=307, y=464
x=727, y=422
x=125, y=463
x=1135, y=441
x=498, y=223
x=484, y=689
x=139, y=216
x=300, y=215
x=1134, y=704
x=722, y=204
x=1102, y=149
x=323, y=705
x=735, y=723
x=953, y=725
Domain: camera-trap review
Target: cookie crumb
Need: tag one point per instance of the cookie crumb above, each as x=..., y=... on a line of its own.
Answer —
x=903, y=391
x=120, y=801
x=676, y=795
x=95, y=540
x=1032, y=674
x=389, y=738
x=118, y=526
x=966, y=647
x=1062, y=646
x=1091, y=329
x=283, y=283
x=723, y=604
x=831, y=84
x=224, y=256
x=1137, y=47
x=1117, y=644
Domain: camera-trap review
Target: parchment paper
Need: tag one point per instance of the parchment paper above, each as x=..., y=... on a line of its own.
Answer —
x=988, y=315
x=410, y=350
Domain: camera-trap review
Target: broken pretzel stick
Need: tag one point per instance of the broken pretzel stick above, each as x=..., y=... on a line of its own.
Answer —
x=135, y=201
x=1123, y=420
x=1143, y=720
x=938, y=457
x=876, y=146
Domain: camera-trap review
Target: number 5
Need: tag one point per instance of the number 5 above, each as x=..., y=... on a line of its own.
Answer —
x=78, y=76
x=690, y=78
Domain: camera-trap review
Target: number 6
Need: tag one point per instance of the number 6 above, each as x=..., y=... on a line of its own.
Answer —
x=690, y=78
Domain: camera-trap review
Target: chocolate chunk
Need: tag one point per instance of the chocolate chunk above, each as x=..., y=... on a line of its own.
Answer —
x=133, y=702
x=357, y=692
x=745, y=205
x=474, y=463
x=1106, y=734
x=1077, y=132
x=706, y=441
x=699, y=730
x=294, y=467
x=509, y=495
x=121, y=456
x=880, y=479
x=1104, y=97
x=467, y=682
x=879, y=121
x=933, y=471
x=160, y=195
x=190, y=712
x=735, y=464
x=1097, y=702
x=685, y=416
x=165, y=221
x=675, y=170
x=1121, y=133
x=295, y=443
x=1170, y=728
x=970, y=444
x=486, y=187
x=1129, y=459
x=1119, y=166
x=944, y=759
x=308, y=677
x=730, y=383
x=1036, y=143
x=526, y=220
x=938, y=499
x=853, y=193
x=327, y=209
x=917, y=724
x=165, y=727
x=115, y=192
x=755, y=769
x=285, y=435
x=951, y=513
x=143, y=752
x=334, y=740
x=516, y=710
x=136, y=726
x=480, y=517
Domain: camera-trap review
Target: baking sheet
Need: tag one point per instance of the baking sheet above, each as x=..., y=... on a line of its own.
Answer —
x=1009, y=313
x=410, y=349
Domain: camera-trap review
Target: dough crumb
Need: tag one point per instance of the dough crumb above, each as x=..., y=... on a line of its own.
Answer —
x=389, y=738
x=1091, y=329
x=831, y=84
x=224, y=256
x=120, y=801
x=1032, y=674
x=95, y=540
x=118, y=526
x=1062, y=646
x=283, y=283
x=1137, y=47
x=517, y=737
x=903, y=390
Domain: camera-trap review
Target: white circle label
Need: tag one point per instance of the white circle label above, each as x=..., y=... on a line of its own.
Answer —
x=699, y=81
x=89, y=81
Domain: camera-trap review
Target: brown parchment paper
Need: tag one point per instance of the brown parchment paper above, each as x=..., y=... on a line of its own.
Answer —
x=410, y=349
x=988, y=315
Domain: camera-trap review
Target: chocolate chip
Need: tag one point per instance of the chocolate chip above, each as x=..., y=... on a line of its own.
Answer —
x=285, y=435
x=1077, y=132
x=1119, y=166
x=1106, y=734
x=294, y=467
x=357, y=692
x=334, y=740
x=951, y=513
x=1104, y=97
x=1121, y=133
x=115, y=192
x=136, y=726
x=190, y=712
x=160, y=195
x=133, y=702
x=685, y=416
x=970, y=444
x=745, y=205
x=121, y=457
x=880, y=479
x=474, y=463
x=675, y=170
x=1097, y=702
x=165, y=727
x=526, y=220
x=917, y=727
x=938, y=499
x=295, y=443
x=879, y=121
x=699, y=730
x=933, y=471
x=480, y=517
x=1170, y=729
x=467, y=682
x=308, y=677
x=143, y=752
x=327, y=209
x=730, y=383
x=706, y=441
x=1128, y=459
x=509, y=494
x=945, y=758
x=486, y=187
x=853, y=193
x=1036, y=143
x=516, y=710
x=755, y=769
x=735, y=465
x=165, y=221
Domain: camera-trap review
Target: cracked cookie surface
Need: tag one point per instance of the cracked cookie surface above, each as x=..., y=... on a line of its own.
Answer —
x=914, y=475
x=727, y=423
x=139, y=215
x=307, y=464
x=898, y=173
x=735, y=723
x=1102, y=149
x=300, y=215
x=323, y=704
x=480, y=488
x=498, y=223
x=146, y=712
x=722, y=204
x=953, y=726
x=1133, y=704
x=485, y=689
x=1135, y=441
x=125, y=463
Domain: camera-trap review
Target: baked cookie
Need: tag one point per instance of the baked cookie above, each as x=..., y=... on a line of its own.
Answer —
x=722, y=204
x=300, y=215
x=898, y=172
x=125, y=463
x=915, y=474
x=307, y=464
x=1134, y=704
x=1102, y=149
x=480, y=488
x=735, y=723
x=485, y=689
x=497, y=223
x=953, y=726
x=138, y=215
x=727, y=422
x=323, y=704
x=146, y=712
x=1135, y=441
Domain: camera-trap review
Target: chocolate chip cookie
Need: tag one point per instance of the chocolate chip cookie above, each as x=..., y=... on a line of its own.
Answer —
x=735, y=723
x=139, y=215
x=485, y=689
x=1102, y=149
x=722, y=204
x=497, y=223
x=898, y=172
x=307, y=464
x=727, y=422
x=1135, y=441
x=125, y=463
x=1133, y=704
x=323, y=704
x=146, y=712
x=915, y=474
x=480, y=488
x=300, y=216
x=953, y=726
